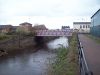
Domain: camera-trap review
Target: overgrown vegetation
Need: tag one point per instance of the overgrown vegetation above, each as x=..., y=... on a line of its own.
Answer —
x=17, y=41
x=66, y=62
x=3, y=37
x=97, y=39
x=25, y=33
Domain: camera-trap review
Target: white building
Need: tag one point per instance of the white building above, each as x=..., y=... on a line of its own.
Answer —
x=82, y=27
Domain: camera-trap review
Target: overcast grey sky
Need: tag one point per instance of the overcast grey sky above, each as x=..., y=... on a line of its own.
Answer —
x=52, y=13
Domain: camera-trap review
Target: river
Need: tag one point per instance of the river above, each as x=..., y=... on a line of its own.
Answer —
x=31, y=63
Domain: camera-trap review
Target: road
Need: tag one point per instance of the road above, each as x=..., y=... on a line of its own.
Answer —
x=92, y=53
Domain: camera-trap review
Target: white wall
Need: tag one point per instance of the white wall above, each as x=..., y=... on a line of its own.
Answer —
x=82, y=30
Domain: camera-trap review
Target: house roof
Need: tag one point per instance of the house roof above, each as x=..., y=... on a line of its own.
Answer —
x=81, y=22
x=5, y=26
x=15, y=27
x=25, y=23
x=39, y=27
x=95, y=13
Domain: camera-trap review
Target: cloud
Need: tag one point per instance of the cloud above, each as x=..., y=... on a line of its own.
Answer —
x=48, y=7
x=50, y=12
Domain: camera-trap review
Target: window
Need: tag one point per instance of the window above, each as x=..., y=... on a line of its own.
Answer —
x=88, y=26
x=80, y=26
x=83, y=26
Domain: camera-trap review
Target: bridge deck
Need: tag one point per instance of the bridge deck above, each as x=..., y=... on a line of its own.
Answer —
x=54, y=33
x=92, y=53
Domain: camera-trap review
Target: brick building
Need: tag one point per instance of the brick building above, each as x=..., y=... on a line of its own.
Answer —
x=39, y=27
x=27, y=27
x=6, y=28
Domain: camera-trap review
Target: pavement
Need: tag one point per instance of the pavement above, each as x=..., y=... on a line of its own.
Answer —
x=91, y=52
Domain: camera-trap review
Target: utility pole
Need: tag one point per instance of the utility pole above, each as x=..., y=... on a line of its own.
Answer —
x=19, y=40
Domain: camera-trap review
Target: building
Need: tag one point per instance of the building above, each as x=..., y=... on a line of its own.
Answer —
x=27, y=27
x=95, y=24
x=65, y=27
x=82, y=27
x=6, y=28
x=14, y=28
x=39, y=27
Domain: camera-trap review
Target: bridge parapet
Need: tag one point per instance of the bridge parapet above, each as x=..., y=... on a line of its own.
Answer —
x=54, y=32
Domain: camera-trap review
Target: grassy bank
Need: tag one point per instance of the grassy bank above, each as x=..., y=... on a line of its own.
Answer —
x=66, y=62
x=97, y=39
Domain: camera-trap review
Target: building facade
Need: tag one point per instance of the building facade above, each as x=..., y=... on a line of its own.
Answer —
x=6, y=28
x=39, y=27
x=95, y=24
x=65, y=27
x=27, y=27
x=82, y=27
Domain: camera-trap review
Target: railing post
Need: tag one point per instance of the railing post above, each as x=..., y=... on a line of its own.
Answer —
x=84, y=69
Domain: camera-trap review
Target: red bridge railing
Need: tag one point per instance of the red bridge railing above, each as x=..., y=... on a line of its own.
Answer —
x=54, y=33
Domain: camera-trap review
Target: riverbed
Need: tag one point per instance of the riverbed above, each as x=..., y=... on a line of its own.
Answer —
x=32, y=63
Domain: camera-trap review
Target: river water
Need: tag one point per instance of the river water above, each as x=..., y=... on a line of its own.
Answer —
x=31, y=63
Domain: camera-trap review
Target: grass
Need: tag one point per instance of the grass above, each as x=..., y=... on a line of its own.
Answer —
x=66, y=62
x=97, y=39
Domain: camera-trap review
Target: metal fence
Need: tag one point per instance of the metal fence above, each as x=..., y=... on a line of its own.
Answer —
x=84, y=69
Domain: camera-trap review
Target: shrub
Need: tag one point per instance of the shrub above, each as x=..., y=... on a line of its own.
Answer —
x=3, y=37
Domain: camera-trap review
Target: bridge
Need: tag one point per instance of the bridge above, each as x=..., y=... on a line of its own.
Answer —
x=67, y=32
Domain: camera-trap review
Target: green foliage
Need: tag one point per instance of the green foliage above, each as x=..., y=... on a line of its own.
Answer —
x=66, y=62
x=22, y=32
x=30, y=34
x=3, y=37
x=11, y=33
x=60, y=63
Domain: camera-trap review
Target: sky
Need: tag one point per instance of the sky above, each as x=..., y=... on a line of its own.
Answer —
x=52, y=13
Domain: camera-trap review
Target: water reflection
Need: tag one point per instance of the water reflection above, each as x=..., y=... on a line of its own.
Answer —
x=27, y=64
x=31, y=63
x=62, y=41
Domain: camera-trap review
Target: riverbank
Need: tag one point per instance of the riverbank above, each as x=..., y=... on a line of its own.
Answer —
x=16, y=44
x=29, y=62
x=66, y=62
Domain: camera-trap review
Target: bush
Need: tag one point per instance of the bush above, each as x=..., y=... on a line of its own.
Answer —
x=66, y=62
x=3, y=37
